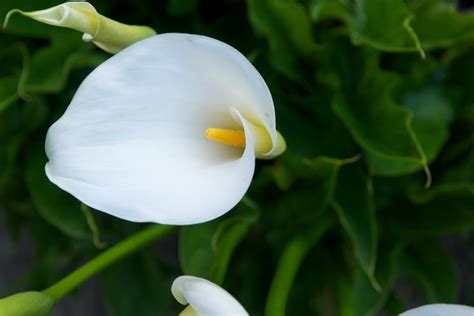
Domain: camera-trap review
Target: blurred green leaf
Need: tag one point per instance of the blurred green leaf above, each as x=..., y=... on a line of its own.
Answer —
x=355, y=208
x=137, y=286
x=440, y=209
x=288, y=265
x=17, y=122
x=430, y=266
x=286, y=25
x=50, y=66
x=325, y=9
x=334, y=102
x=205, y=249
x=181, y=7
x=459, y=75
x=8, y=91
x=195, y=248
x=431, y=114
x=438, y=23
x=306, y=196
x=54, y=205
x=14, y=74
x=367, y=300
x=383, y=24
x=394, y=25
x=311, y=128
x=378, y=124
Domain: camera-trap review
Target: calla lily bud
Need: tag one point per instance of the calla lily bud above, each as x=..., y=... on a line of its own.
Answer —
x=204, y=298
x=109, y=35
x=440, y=310
x=26, y=304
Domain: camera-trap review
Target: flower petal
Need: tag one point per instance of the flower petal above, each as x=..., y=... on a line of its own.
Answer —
x=132, y=142
x=441, y=310
x=206, y=298
x=141, y=173
x=214, y=75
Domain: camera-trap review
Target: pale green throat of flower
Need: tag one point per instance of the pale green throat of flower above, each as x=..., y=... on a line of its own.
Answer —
x=188, y=311
x=236, y=138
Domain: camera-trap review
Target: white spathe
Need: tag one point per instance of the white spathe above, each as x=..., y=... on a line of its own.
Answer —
x=132, y=142
x=205, y=298
x=441, y=310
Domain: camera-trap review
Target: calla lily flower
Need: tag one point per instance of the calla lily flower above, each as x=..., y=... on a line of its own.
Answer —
x=441, y=310
x=205, y=298
x=165, y=131
x=110, y=35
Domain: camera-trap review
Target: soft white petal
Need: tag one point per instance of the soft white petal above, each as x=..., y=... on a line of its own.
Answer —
x=197, y=73
x=441, y=310
x=160, y=172
x=206, y=298
x=132, y=142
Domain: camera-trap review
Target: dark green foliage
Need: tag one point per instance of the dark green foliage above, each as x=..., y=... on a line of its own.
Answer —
x=368, y=123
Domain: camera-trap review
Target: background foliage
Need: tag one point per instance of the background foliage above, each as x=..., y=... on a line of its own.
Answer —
x=375, y=99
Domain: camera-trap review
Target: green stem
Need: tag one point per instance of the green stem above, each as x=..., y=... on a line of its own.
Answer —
x=105, y=259
x=288, y=265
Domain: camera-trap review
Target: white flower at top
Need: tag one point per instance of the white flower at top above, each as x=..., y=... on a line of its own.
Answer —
x=165, y=131
x=205, y=298
x=441, y=310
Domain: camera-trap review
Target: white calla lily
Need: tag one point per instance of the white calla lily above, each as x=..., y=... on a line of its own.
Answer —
x=441, y=310
x=110, y=35
x=165, y=131
x=205, y=298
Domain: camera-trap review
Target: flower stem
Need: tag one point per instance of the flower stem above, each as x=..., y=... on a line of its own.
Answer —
x=288, y=265
x=105, y=259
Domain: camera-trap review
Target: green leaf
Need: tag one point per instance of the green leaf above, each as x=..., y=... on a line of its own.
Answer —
x=288, y=265
x=195, y=248
x=383, y=24
x=286, y=25
x=439, y=24
x=205, y=249
x=181, y=7
x=431, y=114
x=228, y=236
x=16, y=125
x=8, y=91
x=56, y=206
x=14, y=74
x=327, y=9
x=457, y=82
x=310, y=190
x=50, y=66
x=324, y=133
x=366, y=299
x=394, y=25
x=441, y=209
x=377, y=123
x=428, y=263
x=344, y=297
x=356, y=211
x=137, y=286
